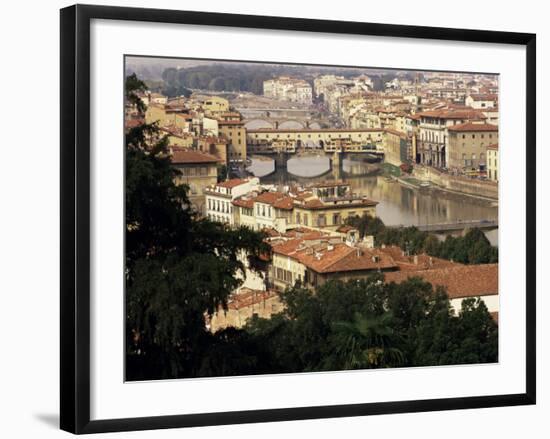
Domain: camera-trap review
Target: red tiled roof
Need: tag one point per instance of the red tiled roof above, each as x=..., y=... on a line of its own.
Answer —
x=460, y=281
x=317, y=204
x=276, y=199
x=232, y=183
x=324, y=257
x=248, y=297
x=473, y=127
x=355, y=260
x=493, y=146
x=244, y=202
x=484, y=97
x=453, y=114
x=416, y=262
x=320, y=130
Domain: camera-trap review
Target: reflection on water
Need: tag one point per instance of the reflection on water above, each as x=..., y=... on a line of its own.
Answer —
x=308, y=166
x=397, y=204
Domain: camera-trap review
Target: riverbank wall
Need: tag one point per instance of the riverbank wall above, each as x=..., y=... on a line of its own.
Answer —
x=457, y=184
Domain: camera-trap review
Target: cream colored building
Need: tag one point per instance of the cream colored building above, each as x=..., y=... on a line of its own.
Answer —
x=219, y=198
x=215, y=104
x=198, y=171
x=492, y=162
x=329, y=205
x=395, y=147
x=235, y=132
x=243, y=306
x=433, y=135
x=468, y=144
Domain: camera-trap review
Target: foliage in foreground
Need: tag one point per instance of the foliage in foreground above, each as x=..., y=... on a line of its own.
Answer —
x=178, y=267
x=365, y=324
x=472, y=248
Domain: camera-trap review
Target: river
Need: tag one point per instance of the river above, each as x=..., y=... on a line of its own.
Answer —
x=398, y=205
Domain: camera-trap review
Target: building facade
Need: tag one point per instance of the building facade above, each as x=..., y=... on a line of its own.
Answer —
x=492, y=162
x=219, y=198
x=198, y=171
x=468, y=144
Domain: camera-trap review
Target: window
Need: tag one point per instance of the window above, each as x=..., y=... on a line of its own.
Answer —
x=336, y=219
x=321, y=221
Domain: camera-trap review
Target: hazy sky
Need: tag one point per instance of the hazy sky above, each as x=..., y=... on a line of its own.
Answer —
x=152, y=67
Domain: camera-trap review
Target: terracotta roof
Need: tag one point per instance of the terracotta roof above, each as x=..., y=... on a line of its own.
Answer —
x=320, y=130
x=244, y=202
x=460, y=281
x=493, y=146
x=232, y=183
x=355, y=260
x=473, y=127
x=484, y=97
x=416, y=262
x=317, y=204
x=453, y=114
x=247, y=297
x=183, y=156
x=276, y=199
x=326, y=257
x=345, y=229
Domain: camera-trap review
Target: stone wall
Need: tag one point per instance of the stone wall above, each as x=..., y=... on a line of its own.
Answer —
x=458, y=184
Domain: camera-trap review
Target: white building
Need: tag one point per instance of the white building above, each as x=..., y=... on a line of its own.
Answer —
x=288, y=89
x=481, y=101
x=219, y=197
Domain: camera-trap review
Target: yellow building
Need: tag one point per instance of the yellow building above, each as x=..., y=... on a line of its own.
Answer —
x=242, y=306
x=198, y=171
x=395, y=147
x=329, y=205
x=468, y=144
x=166, y=116
x=235, y=132
x=492, y=162
x=216, y=146
x=215, y=104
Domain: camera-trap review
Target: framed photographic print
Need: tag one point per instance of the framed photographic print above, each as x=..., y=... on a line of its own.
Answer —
x=267, y=219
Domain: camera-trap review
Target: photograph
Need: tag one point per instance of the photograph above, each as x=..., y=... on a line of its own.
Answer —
x=290, y=218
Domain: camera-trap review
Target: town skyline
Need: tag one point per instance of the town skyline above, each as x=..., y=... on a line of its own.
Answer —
x=343, y=190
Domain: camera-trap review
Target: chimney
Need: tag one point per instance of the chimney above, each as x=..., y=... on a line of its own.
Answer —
x=415, y=259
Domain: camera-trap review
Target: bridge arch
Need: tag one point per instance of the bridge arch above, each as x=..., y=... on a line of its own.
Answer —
x=259, y=123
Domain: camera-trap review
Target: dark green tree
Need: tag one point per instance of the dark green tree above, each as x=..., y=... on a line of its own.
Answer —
x=179, y=267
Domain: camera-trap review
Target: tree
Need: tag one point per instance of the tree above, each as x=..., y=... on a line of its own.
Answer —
x=366, y=342
x=178, y=267
x=370, y=324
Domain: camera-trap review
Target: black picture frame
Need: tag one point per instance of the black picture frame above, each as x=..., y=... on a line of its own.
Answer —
x=75, y=217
